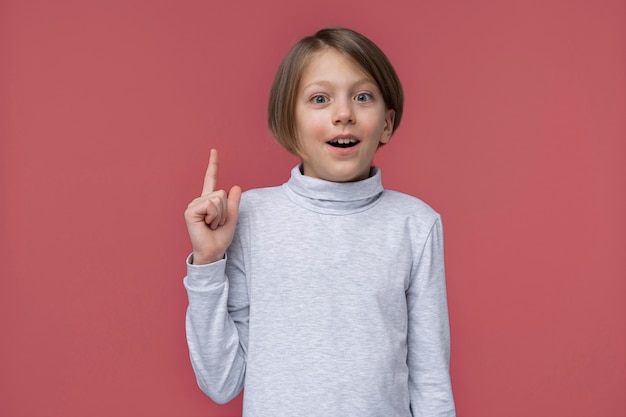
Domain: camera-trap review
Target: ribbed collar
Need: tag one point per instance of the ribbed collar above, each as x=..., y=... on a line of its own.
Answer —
x=334, y=197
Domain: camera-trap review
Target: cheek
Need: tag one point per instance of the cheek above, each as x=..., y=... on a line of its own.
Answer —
x=376, y=124
x=312, y=126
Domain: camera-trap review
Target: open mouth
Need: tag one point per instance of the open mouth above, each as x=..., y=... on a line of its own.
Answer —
x=343, y=142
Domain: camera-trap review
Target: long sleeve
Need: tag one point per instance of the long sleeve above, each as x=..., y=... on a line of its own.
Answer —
x=217, y=325
x=428, y=341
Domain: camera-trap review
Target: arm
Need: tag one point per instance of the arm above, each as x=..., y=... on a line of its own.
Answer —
x=216, y=321
x=429, y=332
x=217, y=325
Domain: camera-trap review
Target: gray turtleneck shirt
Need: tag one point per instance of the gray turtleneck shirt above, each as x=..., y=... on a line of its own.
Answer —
x=331, y=302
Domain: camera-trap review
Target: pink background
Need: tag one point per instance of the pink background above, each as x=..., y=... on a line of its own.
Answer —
x=514, y=129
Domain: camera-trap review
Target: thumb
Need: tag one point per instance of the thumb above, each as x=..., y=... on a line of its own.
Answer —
x=234, y=197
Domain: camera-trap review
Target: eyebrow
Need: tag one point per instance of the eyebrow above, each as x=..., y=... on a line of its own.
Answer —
x=325, y=83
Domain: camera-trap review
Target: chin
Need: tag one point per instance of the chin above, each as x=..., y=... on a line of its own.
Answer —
x=349, y=176
x=339, y=172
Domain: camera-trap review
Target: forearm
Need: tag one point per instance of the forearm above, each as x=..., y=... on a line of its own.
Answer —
x=216, y=352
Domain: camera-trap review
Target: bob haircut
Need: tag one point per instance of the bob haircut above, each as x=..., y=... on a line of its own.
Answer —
x=282, y=102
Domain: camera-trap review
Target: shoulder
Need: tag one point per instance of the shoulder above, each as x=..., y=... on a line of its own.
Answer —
x=262, y=193
x=412, y=216
x=257, y=197
x=407, y=205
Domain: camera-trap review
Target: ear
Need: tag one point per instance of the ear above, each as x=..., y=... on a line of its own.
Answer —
x=390, y=117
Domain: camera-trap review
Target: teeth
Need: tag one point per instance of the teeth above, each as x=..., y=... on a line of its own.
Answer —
x=344, y=141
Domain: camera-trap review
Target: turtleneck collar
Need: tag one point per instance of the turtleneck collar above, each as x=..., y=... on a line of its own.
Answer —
x=334, y=197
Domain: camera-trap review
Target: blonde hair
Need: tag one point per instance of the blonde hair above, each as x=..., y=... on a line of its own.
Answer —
x=281, y=108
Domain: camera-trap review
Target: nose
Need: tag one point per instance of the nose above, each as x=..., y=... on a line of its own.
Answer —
x=343, y=112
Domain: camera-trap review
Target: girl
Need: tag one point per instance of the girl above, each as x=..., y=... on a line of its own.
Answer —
x=325, y=296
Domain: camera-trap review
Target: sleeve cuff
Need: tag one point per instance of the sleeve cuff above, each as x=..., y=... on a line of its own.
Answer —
x=201, y=277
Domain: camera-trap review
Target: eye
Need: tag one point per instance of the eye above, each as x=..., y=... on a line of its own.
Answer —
x=319, y=99
x=363, y=97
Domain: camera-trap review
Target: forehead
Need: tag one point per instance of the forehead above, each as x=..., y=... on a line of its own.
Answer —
x=329, y=65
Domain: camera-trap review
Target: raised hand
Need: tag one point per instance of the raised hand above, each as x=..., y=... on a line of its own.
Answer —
x=212, y=217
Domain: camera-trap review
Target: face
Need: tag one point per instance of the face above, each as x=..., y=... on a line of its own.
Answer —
x=341, y=118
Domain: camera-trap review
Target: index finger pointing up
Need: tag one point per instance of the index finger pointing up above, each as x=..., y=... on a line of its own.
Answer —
x=210, y=178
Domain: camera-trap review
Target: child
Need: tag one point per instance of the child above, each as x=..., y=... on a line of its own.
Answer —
x=325, y=296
